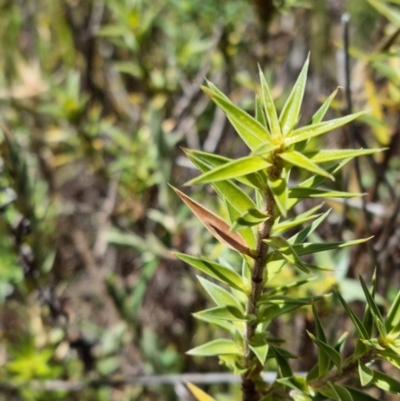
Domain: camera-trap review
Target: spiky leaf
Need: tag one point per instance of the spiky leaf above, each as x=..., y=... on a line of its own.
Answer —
x=215, y=270
x=217, y=347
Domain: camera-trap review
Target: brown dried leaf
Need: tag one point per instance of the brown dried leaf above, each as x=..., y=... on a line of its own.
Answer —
x=217, y=227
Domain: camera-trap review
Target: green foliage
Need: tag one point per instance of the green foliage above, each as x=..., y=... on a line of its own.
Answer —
x=275, y=142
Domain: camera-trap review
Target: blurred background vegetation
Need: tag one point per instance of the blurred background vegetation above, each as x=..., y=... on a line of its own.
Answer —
x=96, y=99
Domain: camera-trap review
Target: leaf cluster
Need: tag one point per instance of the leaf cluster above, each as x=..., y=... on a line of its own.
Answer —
x=259, y=200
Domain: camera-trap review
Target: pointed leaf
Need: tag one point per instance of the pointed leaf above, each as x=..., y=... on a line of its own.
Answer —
x=279, y=189
x=250, y=218
x=386, y=382
x=358, y=395
x=223, y=324
x=266, y=299
x=362, y=333
x=391, y=356
x=323, y=156
x=260, y=350
x=217, y=347
x=234, y=169
x=307, y=248
x=365, y=373
x=200, y=395
x=260, y=116
x=249, y=129
x=299, y=160
x=246, y=232
x=253, y=180
x=284, y=368
x=218, y=294
x=391, y=13
x=374, y=309
x=215, y=270
x=217, y=227
x=324, y=363
x=270, y=110
x=311, y=131
x=230, y=313
x=393, y=317
x=342, y=392
x=320, y=114
x=285, y=249
x=226, y=189
x=280, y=226
x=302, y=235
x=295, y=382
x=285, y=288
x=271, y=312
x=302, y=193
x=333, y=355
x=291, y=110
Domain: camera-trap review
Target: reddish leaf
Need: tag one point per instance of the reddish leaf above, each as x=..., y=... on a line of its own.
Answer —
x=217, y=227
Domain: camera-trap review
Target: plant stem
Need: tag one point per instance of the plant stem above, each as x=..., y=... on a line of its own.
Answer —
x=258, y=281
x=349, y=370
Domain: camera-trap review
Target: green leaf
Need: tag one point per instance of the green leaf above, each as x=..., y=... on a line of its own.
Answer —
x=234, y=169
x=285, y=288
x=250, y=218
x=217, y=347
x=270, y=110
x=260, y=116
x=386, y=382
x=260, y=349
x=311, y=131
x=390, y=356
x=281, y=359
x=332, y=354
x=320, y=114
x=271, y=312
x=247, y=233
x=215, y=270
x=301, y=161
x=267, y=298
x=226, y=189
x=295, y=382
x=291, y=110
x=279, y=189
x=265, y=149
x=280, y=226
x=285, y=249
x=358, y=395
x=316, y=180
x=249, y=129
x=342, y=392
x=323, y=156
x=307, y=248
x=391, y=13
x=230, y=313
x=223, y=324
x=302, y=193
x=365, y=373
x=219, y=295
x=302, y=235
x=324, y=362
x=374, y=309
x=393, y=317
x=362, y=332
x=253, y=180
